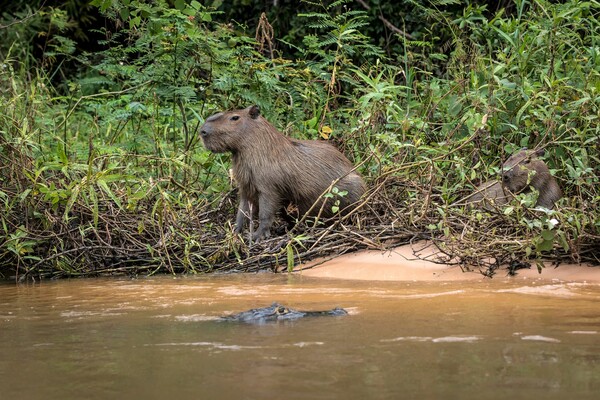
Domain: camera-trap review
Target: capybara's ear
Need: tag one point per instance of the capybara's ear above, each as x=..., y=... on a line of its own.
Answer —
x=254, y=111
x=539, y=152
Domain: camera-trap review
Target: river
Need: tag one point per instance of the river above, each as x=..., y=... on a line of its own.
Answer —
x=159, y=338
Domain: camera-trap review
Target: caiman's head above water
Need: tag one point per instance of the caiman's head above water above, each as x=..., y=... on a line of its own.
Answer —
x=277, y=312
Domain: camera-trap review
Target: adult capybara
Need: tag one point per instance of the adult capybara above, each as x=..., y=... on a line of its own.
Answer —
x=273, y=170
x=521, y=172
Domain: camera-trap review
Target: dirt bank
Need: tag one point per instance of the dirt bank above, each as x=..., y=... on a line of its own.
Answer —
x=401, y=264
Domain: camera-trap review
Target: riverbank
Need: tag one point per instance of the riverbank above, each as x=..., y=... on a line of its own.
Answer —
x=417, y=262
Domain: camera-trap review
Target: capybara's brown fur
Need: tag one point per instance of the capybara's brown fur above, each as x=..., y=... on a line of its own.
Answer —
x=521, y=172
x=273, y=170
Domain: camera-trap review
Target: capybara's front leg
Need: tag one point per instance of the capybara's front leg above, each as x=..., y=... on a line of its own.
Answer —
x=266, y=214
x=243, y=214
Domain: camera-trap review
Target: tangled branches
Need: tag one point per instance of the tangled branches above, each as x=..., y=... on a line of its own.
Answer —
x=156, y=236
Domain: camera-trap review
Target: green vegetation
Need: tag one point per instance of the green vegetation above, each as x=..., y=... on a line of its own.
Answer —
x=101, y=169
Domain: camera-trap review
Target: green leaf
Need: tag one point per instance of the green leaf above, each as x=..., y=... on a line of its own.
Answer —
x=133, y=22
x=103, y=4
x=545, y=245
x=72, y=199
x=290, y=257
x=504, y=35
x=548, y=234
x=563, y=241
x=95, y=209
x=311, y=123
x=102, y=185
x=205, y=17
x=179, y=4
x=24, y=195
x=124, y=13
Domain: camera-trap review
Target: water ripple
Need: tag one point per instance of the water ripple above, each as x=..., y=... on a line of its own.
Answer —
x=443, y=339
x=196, y=317
x=558, y=290
x=540, y=338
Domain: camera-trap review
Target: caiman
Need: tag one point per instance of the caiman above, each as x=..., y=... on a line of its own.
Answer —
x=277, y=312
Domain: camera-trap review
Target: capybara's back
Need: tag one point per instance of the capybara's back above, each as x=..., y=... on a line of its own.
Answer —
x=310, y=170
x=488, y=195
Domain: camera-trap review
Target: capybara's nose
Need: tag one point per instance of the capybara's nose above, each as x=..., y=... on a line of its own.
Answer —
x=203, y=133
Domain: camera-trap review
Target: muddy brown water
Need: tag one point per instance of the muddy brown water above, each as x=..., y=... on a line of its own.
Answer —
x=157, y=338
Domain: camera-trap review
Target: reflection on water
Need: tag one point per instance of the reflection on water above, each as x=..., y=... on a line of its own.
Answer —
x=159, y=338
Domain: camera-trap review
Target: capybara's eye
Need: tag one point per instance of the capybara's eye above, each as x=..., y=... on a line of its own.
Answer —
x=235, y=118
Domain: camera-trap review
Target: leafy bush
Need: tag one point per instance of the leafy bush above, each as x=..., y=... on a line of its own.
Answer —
x=102, y=170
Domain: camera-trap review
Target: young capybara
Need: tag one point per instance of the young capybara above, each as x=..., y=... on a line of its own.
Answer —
x=273, y=170
x=522, y=171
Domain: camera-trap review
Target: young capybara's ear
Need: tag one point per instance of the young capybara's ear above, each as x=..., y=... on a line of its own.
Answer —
x=539, y=152
x=254, y=111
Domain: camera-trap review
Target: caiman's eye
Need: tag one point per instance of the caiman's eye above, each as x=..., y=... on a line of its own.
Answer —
x=235, y=118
